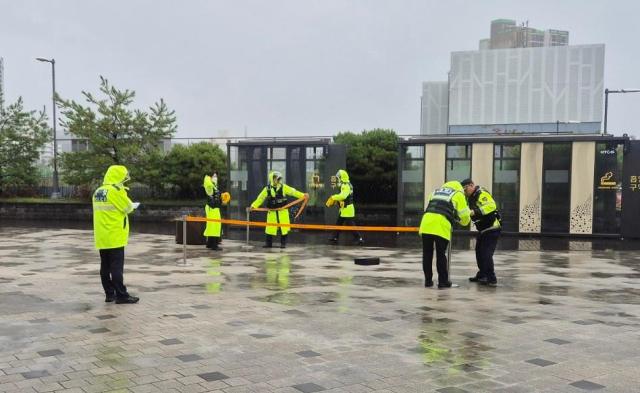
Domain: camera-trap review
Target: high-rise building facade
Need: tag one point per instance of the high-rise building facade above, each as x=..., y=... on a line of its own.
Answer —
x=544, y=86
x=506, y=34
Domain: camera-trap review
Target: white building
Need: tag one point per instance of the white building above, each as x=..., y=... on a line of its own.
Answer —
x=520, y=90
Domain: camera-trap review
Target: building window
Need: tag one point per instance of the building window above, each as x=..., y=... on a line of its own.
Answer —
x=78, y=145
x=556, y=187
x=458, y=161
x=607, y=189
x=314, y=168
x=277, y=160
x=411, y=197
x=506, y=183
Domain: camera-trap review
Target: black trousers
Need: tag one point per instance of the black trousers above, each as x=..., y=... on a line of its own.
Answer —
x=441, y=245
x=112, y=271
x=485, y=247
x=348, y=221
x=212, y=242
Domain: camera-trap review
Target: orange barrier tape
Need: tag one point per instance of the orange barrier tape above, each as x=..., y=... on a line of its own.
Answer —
x=305, y=226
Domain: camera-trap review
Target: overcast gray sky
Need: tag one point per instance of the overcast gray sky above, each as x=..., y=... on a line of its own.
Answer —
x=289, y=67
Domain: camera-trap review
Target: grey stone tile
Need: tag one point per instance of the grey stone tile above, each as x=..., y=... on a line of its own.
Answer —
x=540, y=362
x=213, y=376
x=170, y=341
x=308, y=354
x=308, y=387
x=189, y=358
x=35, y=374
x=99, y=330
x=50, y=352
x=451, y=390
x=558, y=341
x=107, y=316
x=587, y=385
x=260, y=335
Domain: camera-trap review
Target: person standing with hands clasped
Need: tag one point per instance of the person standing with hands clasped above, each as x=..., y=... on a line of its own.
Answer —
x=111, y=207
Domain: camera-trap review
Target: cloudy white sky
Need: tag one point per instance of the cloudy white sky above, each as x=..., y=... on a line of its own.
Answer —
x=288, y=67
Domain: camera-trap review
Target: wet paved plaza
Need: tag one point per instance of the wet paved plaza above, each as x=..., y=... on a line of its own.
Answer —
x=307, y=319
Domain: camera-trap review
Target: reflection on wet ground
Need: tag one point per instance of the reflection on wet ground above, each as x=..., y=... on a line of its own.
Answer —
x=308, y=319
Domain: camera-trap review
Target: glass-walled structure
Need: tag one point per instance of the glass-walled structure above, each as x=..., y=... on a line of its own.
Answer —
x=607, y=186
x=556, y=187
x=545, y=184
x=307, y=165
x=411, y=184
x=506, y=182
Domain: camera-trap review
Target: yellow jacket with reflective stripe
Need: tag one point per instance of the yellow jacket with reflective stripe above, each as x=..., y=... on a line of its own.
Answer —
x=276, y=216
x=111, y=205
x=346, y=189
x=437, y=224
x=485, y=204
x=211, y=229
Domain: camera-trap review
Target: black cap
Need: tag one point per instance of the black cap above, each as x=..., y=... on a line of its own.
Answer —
x=466, y=182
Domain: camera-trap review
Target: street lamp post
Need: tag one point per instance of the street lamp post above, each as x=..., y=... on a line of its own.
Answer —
x=56, y=187
x=606, y=102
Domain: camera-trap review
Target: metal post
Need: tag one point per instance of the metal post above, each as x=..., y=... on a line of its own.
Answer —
x=184, y=240
x=449, y=254
x=606, y=109
x=248, y=214
x=56, y=186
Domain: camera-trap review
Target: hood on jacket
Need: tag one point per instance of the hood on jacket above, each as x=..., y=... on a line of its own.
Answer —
x=116, y=175
x=454, y=185
x=342, y=176
x=209, y=185
x=271, y=176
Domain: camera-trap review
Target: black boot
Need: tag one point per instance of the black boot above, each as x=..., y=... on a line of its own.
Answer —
x=283, y=241
x=209, y=242
x=268, y=243
x=214, y=243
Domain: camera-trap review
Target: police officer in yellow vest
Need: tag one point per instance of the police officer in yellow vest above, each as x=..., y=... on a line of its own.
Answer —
x=347, y=207
x=446, y=206
x=486, y=219
x=111, y=206
x=215, y=200
x=275, y=194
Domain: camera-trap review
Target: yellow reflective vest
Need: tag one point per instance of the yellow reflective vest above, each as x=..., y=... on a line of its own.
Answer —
x=438, y=224
x=111, y=205
x=276, y=192
x=345, y=197
x=485, y=211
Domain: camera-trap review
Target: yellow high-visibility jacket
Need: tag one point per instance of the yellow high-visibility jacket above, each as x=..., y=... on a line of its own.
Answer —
x=280, y=191
x=212, y=229
x=438, y=224
x=485, y=211
x=345, y=197
x=111, y=205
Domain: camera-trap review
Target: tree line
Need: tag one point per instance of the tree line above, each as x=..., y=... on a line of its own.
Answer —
x=118, y=133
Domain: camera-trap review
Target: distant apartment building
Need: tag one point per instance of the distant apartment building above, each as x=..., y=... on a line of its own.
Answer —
x=506, y=34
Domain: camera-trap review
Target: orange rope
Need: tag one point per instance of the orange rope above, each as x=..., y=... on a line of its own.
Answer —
x=304, y=226
x=288, y=205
